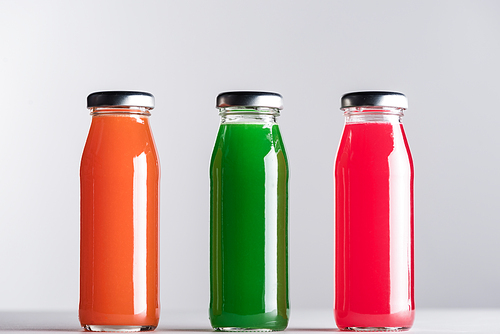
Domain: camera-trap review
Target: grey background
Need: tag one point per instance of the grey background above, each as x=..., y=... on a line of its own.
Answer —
x=443, y=54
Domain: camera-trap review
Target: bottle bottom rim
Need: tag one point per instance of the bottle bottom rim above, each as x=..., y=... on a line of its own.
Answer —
x=106, y=328
x=242, y=329
x=375, y=329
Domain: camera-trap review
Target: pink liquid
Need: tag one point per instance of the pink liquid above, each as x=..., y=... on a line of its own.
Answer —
x=374, y=228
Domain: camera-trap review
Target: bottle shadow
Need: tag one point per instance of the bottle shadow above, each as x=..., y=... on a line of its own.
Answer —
x=68, y=322
x=200, y=330
x=39, y=321
x=194, y=330
x=328, y=330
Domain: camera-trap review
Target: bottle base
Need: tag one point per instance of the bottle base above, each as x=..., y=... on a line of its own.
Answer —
x=105, y=328
x=240, y=329
x=375, y=329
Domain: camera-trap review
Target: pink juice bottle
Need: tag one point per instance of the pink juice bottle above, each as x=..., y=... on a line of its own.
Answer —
x=374, y=216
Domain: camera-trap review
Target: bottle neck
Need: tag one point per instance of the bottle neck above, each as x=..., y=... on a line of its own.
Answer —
x=248, y=115
x=120, y=111
x=373, y=115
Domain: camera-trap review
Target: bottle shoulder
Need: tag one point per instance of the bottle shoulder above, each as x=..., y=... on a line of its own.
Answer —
x=370, y=143
x=115, y=138
x=247, y=143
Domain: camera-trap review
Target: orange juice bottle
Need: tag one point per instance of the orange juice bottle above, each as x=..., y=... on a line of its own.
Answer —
x=119, y=181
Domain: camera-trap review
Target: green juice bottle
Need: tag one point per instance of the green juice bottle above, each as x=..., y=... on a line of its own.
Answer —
x=249, y=216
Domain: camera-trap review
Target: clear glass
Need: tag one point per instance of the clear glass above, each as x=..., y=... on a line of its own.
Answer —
x=119, y=184
x=97, y=328
x=249, y=223
x=374, y=223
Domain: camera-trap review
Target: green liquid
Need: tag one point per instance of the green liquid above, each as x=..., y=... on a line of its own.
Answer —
x=249, y=229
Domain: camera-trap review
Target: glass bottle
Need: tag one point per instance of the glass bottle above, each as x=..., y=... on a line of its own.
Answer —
x=249, y=216
x=374, y=216
x=119, y=184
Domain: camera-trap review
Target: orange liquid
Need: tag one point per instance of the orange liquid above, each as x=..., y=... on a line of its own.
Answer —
x=119, y=177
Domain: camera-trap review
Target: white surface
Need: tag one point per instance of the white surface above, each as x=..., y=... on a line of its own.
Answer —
x=443, y=54
x=428, y=321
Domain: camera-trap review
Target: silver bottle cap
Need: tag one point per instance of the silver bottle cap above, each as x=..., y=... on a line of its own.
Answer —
x=374, y=99
x=121, y=98
x=250, y=99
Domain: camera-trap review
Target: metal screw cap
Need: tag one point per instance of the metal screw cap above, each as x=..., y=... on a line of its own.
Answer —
x=121, y=98
x=375, y=99
x=250, y=99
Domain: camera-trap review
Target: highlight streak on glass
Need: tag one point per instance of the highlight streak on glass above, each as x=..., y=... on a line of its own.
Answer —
x=140, y=232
